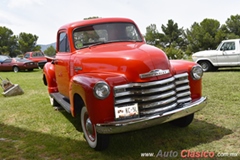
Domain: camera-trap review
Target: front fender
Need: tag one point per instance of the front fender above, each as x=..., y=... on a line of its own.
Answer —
x=49, y=77
x=100, y=110
x=207, y=55
x=214, y=63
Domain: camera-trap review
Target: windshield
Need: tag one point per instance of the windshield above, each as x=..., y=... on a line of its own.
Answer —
x=105, y=33
x=2, y=58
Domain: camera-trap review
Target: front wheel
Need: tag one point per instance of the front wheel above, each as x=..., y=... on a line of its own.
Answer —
x=95, y=140
x=206, y=66
x=184, y=121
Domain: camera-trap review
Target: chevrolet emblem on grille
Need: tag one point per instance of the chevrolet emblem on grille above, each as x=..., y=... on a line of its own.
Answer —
x=153, y=73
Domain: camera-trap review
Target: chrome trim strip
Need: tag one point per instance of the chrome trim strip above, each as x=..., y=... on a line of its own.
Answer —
x=188, y=99
x=186, y=87
x=154, y=104
x=154, y=73
x=145, y=91
x=177, y=82
x=183, y=94
x=152, y=111
x=143, y=99
x=146, y=84
x=181, y=75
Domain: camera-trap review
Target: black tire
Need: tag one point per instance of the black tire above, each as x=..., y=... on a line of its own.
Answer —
x=184, y=121
x=95, y=140
x=15, y=69
x=206, y=66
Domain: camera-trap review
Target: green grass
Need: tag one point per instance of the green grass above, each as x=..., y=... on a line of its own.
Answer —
x=31, y=129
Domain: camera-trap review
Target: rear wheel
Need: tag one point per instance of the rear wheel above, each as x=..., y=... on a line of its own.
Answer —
x=15, y=69
x=184, y=121
x=95, y=140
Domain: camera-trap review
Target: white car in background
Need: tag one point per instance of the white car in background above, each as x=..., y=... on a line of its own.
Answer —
x=227, y=54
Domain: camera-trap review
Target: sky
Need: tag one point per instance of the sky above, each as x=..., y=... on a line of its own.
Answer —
x=44, y=17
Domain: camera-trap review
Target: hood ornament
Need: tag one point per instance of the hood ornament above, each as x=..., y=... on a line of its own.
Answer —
x=153, y=73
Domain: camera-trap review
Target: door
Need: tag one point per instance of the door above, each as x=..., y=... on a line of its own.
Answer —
x=6, y=65
x=228, y=54
x=61, y=62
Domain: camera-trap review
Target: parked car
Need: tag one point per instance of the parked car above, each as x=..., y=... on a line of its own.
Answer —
x=17, y=64
x=227, y=54
x=2, y=58
x=35, y=56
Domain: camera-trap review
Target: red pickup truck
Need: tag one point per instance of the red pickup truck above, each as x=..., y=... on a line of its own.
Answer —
x=35, y=56
x=105, y=74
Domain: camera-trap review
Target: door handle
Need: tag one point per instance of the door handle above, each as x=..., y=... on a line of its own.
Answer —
x=77, y=69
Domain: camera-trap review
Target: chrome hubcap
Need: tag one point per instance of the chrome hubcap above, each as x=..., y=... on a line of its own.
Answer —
x=89, y=129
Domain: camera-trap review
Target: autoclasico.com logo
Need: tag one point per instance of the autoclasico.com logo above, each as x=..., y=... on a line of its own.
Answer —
x=189, y=154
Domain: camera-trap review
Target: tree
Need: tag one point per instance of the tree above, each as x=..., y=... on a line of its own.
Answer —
x=231, y=28
x=204, y=36
x=27, y=42
x=50, y=51
x=171, y=40
x=152, y=35
x=172, y=35
x=8, y=42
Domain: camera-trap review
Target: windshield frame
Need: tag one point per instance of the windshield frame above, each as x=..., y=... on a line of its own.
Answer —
x=97, y=34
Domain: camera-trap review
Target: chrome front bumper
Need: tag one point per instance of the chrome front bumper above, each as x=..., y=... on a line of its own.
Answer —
x=144, y=122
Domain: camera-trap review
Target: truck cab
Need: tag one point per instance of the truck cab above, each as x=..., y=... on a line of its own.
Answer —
x=227, y=54
x=107, y=76
x=35, y=56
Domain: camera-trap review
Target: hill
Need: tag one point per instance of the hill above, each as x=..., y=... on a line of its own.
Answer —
x=45, y=46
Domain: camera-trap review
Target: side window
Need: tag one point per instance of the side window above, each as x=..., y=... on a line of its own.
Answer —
x=39, y=54
x=34, y=54
x=27, y=55
x=63, y=42
x=7, y=61
x=228, y=46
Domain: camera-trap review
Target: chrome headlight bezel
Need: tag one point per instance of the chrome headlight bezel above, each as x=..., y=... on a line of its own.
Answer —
x=101, y=90
x=196, y=72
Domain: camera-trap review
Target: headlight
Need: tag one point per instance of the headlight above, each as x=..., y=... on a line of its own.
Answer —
x=197, y=72
x=101, y=90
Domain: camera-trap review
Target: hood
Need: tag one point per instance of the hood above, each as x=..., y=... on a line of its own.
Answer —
x=129, y=59
x=206, y=53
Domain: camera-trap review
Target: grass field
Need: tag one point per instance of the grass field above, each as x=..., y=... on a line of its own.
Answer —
x=31, y=129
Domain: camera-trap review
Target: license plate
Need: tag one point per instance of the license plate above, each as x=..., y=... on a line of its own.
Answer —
x=126, y=112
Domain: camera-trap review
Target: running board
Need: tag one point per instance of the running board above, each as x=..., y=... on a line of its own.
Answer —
x=62, y=100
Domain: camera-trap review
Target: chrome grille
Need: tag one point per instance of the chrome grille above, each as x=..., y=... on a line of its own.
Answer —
x=154, y=97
